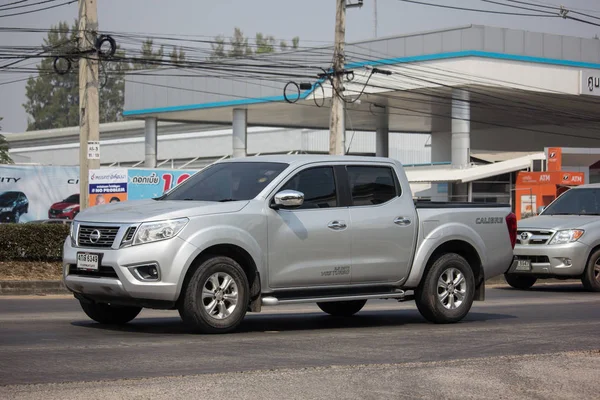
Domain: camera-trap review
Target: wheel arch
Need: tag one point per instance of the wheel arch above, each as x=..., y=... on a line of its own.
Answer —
x=239, y=255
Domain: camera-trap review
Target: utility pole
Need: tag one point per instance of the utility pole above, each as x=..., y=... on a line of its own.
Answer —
x=337, y=121
x=89, y=135
x=337, y=124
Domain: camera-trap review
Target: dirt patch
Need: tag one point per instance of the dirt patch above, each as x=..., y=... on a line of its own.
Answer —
x=30, y=271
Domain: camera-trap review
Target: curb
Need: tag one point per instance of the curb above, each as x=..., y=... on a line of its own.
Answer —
x=12, y=288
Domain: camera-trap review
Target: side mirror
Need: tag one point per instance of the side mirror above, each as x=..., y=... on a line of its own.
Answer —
x=289, y=198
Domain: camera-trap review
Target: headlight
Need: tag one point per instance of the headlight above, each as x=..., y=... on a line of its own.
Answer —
x=67, y=209
x=5, y=209
x=566, y=236
x=160, y=230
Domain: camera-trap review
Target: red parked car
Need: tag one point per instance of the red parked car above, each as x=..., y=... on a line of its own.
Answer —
x=65, y=209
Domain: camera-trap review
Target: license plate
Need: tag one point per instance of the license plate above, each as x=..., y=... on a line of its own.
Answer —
x=88, y=261
x=523, y=265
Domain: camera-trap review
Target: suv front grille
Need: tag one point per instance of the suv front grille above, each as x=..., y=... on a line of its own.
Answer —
x=97, y=236
x=533, y=236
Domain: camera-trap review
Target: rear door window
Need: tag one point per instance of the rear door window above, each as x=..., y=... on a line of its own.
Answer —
x=371, y=185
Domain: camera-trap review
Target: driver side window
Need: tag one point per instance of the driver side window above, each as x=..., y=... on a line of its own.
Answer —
x=318, y=186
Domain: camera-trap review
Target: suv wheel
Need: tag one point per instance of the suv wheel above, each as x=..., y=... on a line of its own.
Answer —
x=446, y=293
x=217, y=296
x=522, y=282
x=109, y=314
x=591, y=275
x=342, y=308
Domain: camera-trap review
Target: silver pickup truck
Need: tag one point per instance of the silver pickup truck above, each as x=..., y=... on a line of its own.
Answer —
x=562, y=242
x=263, y=231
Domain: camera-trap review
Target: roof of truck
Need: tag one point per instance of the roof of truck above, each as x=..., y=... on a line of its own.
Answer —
x=310, y=158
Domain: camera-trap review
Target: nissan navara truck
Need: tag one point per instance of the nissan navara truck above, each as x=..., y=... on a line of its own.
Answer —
x=260, y=231
x=563, y=242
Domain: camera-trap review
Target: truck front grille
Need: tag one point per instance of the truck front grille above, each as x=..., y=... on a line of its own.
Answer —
x=533, y=236
x=97, y=236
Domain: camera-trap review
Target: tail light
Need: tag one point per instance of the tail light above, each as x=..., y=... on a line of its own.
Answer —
x=511, y=224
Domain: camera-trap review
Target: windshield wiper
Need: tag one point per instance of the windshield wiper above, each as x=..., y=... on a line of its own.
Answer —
x=226, y=200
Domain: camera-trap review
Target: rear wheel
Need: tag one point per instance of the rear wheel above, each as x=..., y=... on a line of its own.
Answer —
x=446, y=293
x=342, y=308
x=591, y=275
x=217, y=296
x=109, y=314
x=520, y=281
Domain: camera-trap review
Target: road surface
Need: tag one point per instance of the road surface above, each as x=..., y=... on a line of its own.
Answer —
x=524, y=341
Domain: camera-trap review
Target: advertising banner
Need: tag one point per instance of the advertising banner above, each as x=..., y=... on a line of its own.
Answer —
x=29, y=193
x=152, y=183
x=554, y=159
x=107, y=186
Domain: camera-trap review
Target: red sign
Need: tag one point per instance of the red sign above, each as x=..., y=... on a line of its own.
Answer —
x=554, y=159
x=554, y=177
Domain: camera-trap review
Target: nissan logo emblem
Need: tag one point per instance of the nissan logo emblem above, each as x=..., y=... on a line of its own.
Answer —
x=95, y=236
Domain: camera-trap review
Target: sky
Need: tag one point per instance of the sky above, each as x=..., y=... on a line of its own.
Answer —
x=311, y=20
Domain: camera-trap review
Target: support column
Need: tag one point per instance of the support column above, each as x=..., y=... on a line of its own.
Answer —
x=461, y=129
x=240, y=132
x=382, y=135
x=150, y=142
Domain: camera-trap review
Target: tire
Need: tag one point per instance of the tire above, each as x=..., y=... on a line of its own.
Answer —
x=107, y=314
x=591, y=275
x=522, y=282
x=431, y=303
x=342, y=308
x=207, y=303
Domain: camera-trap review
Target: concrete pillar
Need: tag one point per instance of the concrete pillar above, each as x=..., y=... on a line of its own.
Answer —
x=461, y=128
x=150, y=142
x=382, y=135
x=240, y=132
x=440, y=147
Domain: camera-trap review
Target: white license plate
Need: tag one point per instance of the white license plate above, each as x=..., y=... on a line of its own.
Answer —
x=523, y=265
x=88, y=261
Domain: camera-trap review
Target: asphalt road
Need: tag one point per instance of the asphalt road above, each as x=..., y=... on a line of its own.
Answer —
x=49, y=340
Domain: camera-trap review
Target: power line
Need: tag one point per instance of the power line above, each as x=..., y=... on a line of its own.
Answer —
x=27, y=5
x=14, y=2
x=476, y=9
x=39, y=9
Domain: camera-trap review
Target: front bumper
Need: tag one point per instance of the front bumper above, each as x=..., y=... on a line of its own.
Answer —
x=116, y=279
x=552, y=260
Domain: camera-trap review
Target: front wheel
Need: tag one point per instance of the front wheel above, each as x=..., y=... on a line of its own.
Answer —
x=591, y=275
x=217, y=296
x=109, y=314
x=342, y=308
x=522, y=282
x=446, y=293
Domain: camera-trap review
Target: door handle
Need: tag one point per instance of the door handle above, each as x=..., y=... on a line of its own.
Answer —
x=402, y=221
x=337, y=225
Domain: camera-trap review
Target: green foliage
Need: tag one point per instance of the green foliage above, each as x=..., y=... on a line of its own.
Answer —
x=32, y=242
x=239, y=46
x=4, y=156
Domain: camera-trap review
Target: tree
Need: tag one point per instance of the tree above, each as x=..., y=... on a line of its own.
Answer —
x=177, y=55
x=53, y=99
x=239, y=46
x=4, y=156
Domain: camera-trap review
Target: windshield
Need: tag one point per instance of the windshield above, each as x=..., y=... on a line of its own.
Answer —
x=73, y=199
x=227, y=182
x=576, y=202
x=8, y=197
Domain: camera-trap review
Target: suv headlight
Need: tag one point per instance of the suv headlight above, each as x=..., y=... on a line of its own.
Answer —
x=159, y=230
x=566, y=236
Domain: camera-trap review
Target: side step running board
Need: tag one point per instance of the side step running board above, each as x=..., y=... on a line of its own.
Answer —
x=400, y=295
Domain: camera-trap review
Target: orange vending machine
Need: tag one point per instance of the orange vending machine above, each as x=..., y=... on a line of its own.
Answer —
x=536, y=189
